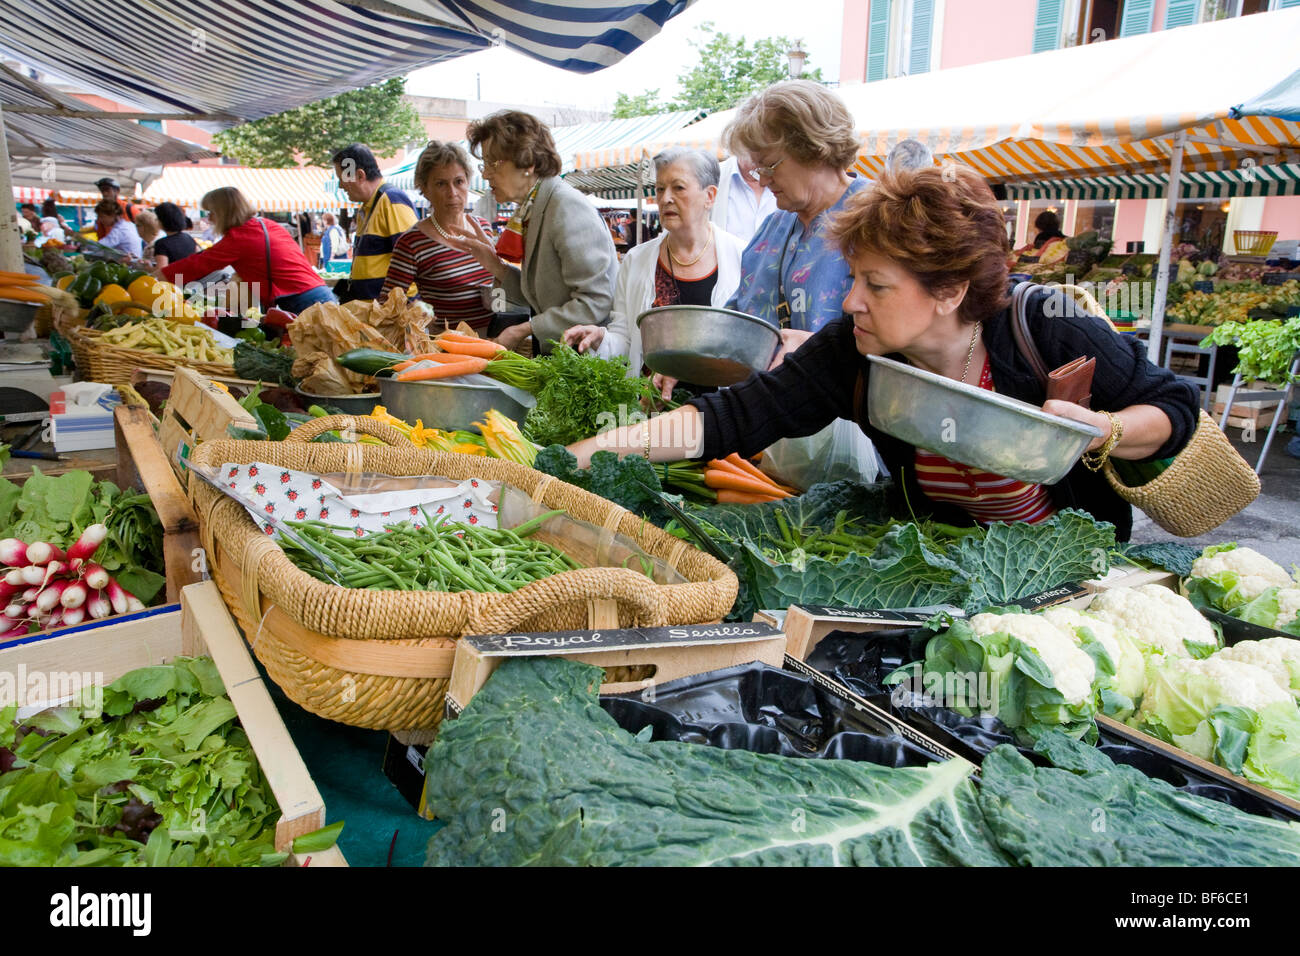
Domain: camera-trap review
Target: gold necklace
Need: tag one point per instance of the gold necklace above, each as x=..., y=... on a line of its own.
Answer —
x=974, y=337
x=686, y=265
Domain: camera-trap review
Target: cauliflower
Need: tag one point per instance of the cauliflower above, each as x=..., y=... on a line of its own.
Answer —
x=1130, y=666
x=1244, y=571
x=1230, y=683
x=1072, y=670
x=1263, y=654
x=1288, y=608
x=1161, y=621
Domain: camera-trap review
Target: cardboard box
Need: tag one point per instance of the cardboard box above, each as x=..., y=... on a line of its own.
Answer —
x=82, y=427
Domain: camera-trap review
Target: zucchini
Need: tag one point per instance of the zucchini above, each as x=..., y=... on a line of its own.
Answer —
x=370, y=361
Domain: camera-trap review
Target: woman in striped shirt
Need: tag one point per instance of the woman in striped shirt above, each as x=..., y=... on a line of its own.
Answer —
x=445, y=278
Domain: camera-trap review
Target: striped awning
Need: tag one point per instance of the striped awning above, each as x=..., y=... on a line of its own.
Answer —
x=1280, y=180
x=296, y=189
x=52, y=152
x=616, y=170
x=232, y=60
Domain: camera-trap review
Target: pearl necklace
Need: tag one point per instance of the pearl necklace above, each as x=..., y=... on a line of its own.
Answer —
x=686, y=265
x=441, y=231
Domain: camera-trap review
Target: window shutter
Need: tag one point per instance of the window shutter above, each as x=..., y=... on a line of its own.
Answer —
x=1047, y=25
x=878, y=40
x=1181, y=13
x=1283, y=4
x=918, y=60
x=1137, y=17
x=151, y=124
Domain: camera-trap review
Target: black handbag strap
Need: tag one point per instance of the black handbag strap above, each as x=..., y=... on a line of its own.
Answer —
x=1020, y=330
x=270, y=290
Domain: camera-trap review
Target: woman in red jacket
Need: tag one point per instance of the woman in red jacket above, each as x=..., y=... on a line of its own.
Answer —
x=251, y=245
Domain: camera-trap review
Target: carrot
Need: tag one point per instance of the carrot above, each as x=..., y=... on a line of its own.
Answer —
x=728, y=497
x=21, y=293
x=721, y=464
x=725, y=479
x=445, y=358
x=467, y=367
x=456, y=337
x=16, y=278
x=478, y=348
x=755, y=473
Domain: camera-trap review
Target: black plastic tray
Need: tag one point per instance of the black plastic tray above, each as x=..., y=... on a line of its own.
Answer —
x=861, y=662
x=764, y=710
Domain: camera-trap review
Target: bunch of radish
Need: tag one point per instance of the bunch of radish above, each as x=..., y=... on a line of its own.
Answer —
x=41, y=585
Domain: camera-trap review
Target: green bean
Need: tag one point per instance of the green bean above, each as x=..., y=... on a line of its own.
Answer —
x=528, y=527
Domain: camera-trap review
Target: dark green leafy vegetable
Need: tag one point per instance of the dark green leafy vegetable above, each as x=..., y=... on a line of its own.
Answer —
x=318, y=840
x=1168, y=555
x=164, y=777
x=264, y=362
x=534, y=751
x=582, y=395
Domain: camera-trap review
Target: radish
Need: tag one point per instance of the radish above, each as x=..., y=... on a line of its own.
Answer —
x=15, y=577
x=95, y=576
x=18, y=630
x=33, y=610
x=30, y=595
x=98, y=606
x=8, y=590
x=73, y=615
x=74, y=595
x=16, y=610
x=49, y=599
x=90, y=540
x=13, y=553
x=52, y=571
x=134, y=604
x=54, y=620
x=119, y=597
x=33, y=574
x=42, y=552
x=74, y=564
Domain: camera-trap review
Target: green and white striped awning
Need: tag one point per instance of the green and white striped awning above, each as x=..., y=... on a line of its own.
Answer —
x=1279, y=180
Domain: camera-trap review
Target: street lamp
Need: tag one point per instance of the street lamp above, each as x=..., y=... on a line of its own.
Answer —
x=795, y=59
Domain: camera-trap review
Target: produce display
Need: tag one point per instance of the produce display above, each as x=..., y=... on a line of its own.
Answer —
x=1235, y=302
x=1247, y=585
x=173, y=339
x=75, y=549
x=259, y=360
x=624, y=799
x=435, y=555
x=325, y=331
x=152, y=770
x=1265, y=349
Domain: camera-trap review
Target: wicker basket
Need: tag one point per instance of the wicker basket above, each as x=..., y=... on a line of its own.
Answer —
x=1207, y=483
x=114, y=365
x=382, y=659
x=1253, y=242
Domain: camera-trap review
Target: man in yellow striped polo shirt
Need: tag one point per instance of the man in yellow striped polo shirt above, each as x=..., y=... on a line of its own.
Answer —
x=386, y=212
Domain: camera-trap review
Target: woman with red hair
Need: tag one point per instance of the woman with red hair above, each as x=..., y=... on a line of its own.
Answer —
x=927, y=249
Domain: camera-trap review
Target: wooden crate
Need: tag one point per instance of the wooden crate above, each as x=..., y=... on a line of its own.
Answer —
x=142, y=464
x=1243, y=416
x=200, y=625
x=196, y=411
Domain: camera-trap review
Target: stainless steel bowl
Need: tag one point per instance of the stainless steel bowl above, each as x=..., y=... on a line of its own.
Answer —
x=447, y=405
x=704, y=345
x=17, y=316
x=362, y=404
x=973, y=426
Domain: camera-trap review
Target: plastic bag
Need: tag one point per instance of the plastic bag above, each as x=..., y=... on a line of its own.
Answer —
x=839, y=451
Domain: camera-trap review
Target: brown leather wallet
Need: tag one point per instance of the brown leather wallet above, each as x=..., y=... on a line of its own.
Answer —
x=1072, y=382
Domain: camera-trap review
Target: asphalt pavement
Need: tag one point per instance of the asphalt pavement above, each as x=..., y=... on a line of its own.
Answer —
x=1271, y=524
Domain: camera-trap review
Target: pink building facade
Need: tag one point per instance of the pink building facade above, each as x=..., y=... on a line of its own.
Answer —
x=887, y=38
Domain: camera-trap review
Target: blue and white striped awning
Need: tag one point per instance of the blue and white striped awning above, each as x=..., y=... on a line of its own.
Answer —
x=233, y=60
x=1278, y=180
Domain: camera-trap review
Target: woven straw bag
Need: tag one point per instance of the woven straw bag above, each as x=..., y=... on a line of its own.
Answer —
x=382, y=659
x=1205, y=484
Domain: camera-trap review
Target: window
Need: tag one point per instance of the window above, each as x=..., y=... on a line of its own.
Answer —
x=1059, y=23
x=900, y=37
x=1095, y=214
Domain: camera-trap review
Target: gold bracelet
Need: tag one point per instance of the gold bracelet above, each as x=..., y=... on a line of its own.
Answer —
x=645, y=438
x=1093, y=460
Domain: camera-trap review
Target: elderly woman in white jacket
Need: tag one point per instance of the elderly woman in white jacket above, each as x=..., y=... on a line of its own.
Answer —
x=692, y=262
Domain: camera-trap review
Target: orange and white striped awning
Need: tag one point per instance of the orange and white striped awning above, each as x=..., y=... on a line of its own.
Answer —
x=296, y=189
x=1100, y=109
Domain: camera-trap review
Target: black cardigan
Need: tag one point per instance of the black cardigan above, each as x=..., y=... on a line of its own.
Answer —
x=816, y=385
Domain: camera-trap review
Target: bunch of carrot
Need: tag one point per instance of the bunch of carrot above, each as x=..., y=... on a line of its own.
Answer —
x=738, y=482
x=460, y=355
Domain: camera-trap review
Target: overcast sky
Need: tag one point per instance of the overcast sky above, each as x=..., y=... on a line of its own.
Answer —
x=509, y=77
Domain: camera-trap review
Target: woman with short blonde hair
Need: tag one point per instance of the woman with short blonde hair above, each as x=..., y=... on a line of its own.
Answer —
x=251, y=245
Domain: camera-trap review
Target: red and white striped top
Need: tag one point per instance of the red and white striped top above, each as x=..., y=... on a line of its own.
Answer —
x=445, y=278
x=986, y=496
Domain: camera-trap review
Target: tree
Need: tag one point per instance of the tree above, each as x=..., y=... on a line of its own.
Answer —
x=729, y=69
x=643, y=104
x=378, y=116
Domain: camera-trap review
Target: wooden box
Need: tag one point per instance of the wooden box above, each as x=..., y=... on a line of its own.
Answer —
x=142, y=464
x=1246, y=416
x=196, y=411
x=200, y=625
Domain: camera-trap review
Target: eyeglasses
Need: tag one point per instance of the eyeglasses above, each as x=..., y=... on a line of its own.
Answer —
x=484, y=167
x=765, y=172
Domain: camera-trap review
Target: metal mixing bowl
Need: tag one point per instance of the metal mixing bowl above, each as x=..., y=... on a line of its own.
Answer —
x=447, y=405
x=706, y=346
x=973, y=426
x=362, y=404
